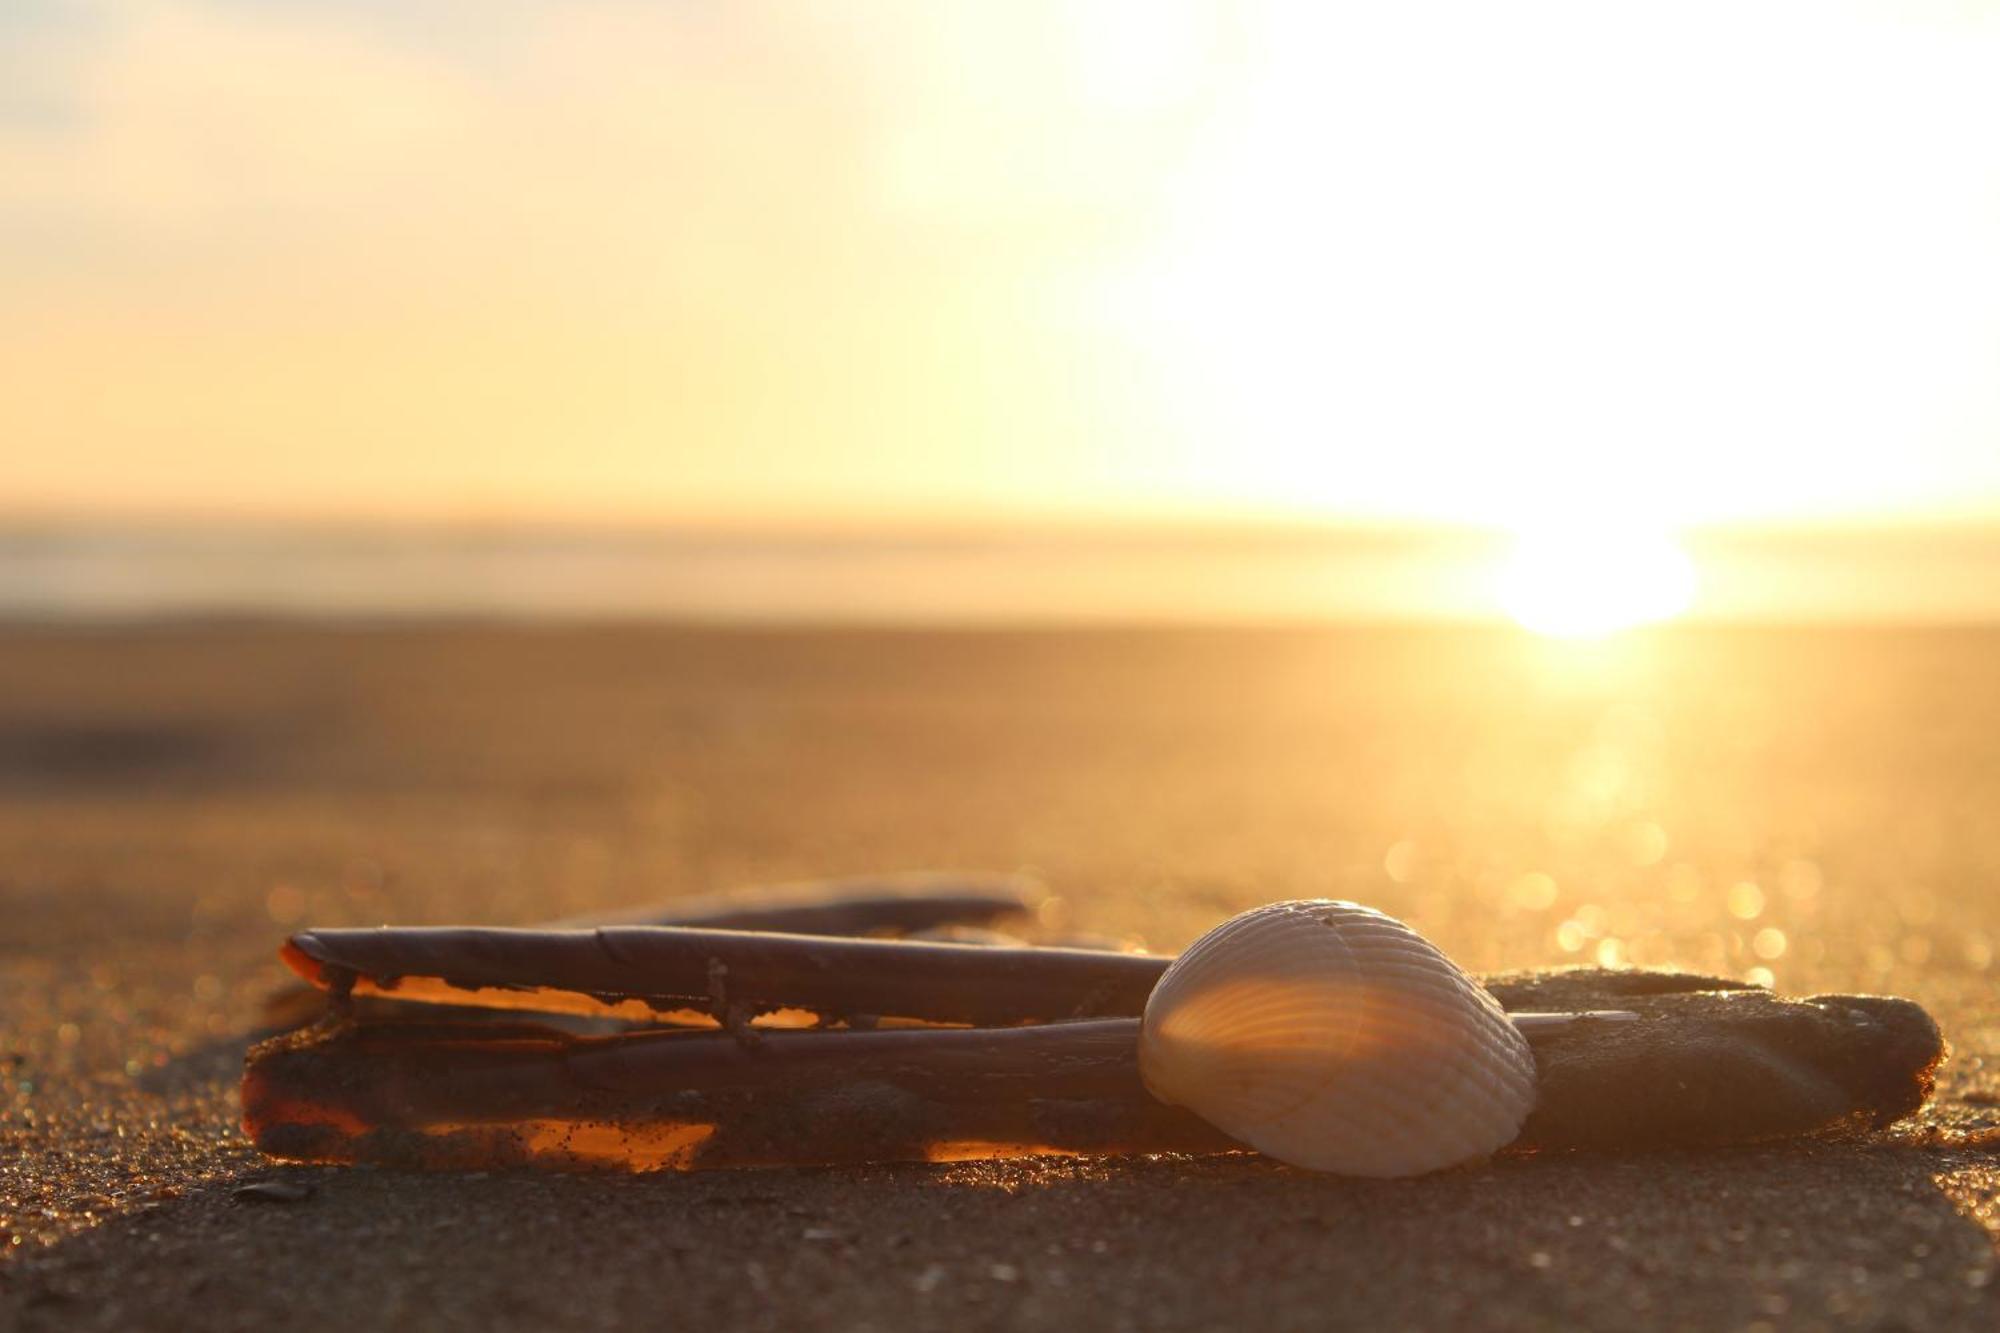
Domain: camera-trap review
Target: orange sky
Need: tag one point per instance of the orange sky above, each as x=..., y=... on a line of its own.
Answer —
x=1658, y=264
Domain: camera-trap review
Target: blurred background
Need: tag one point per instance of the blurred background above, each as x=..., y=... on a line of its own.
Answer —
x=1532, y=467
x=966, y=312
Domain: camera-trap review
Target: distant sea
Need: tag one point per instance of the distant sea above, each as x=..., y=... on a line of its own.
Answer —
x=72, y=572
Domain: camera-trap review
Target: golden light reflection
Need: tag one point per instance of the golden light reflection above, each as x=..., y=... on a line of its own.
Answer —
x=1746, y=901
x=1586, y=582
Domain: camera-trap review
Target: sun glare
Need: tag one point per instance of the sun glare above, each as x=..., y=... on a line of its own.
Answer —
x=1587, y=583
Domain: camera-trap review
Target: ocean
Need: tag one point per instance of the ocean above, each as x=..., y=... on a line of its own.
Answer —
x=992, y=575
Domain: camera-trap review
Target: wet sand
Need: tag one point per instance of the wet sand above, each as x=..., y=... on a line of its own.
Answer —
x=1824, y=805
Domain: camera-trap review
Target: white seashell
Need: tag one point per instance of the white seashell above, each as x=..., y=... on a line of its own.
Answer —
x=1330, y=1036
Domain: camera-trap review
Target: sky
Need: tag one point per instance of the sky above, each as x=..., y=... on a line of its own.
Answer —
x=1511, y=265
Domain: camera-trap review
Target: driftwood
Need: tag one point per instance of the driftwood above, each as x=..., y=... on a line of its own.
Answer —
x=885, y=906
x=741, y=972
x=1709, y=1062
x=898, y=904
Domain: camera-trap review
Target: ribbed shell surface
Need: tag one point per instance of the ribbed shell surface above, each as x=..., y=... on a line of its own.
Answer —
x=1333, y=1037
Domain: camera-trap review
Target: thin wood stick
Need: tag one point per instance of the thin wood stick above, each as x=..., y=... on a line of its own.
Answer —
x=889, y=904
x=725, y=972
x=893, y=904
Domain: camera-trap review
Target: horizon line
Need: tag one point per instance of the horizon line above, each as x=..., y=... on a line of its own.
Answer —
x=860, y=528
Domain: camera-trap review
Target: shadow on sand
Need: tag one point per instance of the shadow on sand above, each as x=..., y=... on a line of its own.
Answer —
x=1877, y=1234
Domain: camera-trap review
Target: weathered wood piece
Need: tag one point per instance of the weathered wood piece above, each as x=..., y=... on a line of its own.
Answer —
x=1710, y=1062
x=887, y=905
x=894, y=904
x=674, y=968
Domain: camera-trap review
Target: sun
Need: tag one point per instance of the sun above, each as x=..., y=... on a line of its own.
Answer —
x=1580, y=583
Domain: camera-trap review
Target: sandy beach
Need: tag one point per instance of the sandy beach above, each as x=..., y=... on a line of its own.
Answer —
x=1819, y=808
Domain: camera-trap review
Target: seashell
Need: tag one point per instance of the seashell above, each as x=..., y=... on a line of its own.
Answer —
x=1330, y=1036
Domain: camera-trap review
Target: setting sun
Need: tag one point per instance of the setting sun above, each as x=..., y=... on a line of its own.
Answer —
x=1587, y=582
